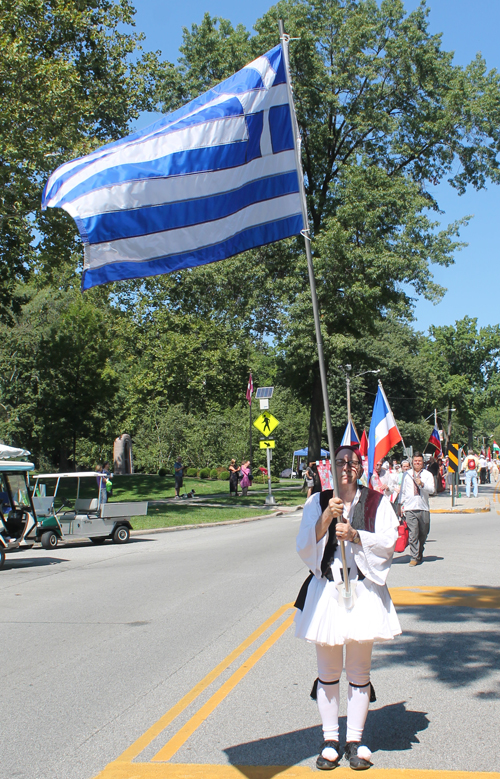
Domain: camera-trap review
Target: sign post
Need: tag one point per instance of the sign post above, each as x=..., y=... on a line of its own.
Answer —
x=266, y=423
x=453, y=468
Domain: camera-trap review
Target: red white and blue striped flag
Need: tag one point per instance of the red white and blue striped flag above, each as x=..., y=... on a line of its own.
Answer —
x=435, y=439
x=384, y=433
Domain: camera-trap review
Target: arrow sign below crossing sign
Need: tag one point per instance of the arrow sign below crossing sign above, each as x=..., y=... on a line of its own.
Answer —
x=269, y=444
x=266, y=423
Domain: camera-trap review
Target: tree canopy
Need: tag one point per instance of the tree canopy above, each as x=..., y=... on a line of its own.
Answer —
x=384, y=113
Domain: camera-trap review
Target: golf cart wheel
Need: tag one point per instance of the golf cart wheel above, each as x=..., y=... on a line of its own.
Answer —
x=121, y=534
x=49, y=540
x=98, y=541
x=2, y=558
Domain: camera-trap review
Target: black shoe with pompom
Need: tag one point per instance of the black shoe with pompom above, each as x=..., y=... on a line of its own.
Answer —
x=322, y=762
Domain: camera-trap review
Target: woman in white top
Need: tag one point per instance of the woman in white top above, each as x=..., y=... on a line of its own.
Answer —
x=366, y=522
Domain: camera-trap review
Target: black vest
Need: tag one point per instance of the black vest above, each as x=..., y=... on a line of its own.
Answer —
x=363, y=519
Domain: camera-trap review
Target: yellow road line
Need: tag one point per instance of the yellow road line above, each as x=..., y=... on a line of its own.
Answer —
x=143, y=741
x=200, y=771
x=465, y=597
x=180, y=738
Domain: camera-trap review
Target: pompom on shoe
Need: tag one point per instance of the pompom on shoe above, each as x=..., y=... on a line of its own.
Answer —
x=359, y=756
x=329, y=756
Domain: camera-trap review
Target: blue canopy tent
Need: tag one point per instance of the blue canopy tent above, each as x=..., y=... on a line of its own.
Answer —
x=303, y=453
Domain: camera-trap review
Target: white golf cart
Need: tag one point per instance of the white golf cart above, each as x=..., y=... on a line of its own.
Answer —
x=17, y=515
x=70, y=505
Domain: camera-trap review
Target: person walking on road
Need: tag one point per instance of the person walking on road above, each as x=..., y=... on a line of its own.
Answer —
x=471, y=463
x=416, y=487
x=483, y=465
x=366, y=522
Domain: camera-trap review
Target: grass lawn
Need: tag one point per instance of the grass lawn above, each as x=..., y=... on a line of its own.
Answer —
x=283, y=497
x=148, y=487
x=173, y=515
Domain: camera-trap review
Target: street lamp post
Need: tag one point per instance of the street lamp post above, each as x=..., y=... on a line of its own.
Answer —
x=346, y=369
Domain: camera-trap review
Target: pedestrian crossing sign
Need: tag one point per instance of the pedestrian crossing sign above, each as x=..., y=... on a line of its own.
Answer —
x=266, y=423
x=269, y=444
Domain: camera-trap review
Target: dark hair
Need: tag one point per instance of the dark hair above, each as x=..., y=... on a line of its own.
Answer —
x=418, y=454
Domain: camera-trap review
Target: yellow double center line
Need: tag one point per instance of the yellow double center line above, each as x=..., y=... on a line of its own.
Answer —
x=172, y=746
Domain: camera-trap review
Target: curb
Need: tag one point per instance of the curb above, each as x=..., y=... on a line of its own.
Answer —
x=155, y=530
x=481, y=510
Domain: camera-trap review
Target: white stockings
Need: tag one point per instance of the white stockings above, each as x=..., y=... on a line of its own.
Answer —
x=357, y=665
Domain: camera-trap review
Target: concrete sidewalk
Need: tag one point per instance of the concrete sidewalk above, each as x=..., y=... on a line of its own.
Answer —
x=441, y=503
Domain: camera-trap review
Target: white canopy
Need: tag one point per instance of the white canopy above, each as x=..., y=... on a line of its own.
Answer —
x=6, y=452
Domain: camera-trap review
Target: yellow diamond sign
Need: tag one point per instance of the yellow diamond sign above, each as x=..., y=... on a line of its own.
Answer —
x=269, y=444
x=266, y=423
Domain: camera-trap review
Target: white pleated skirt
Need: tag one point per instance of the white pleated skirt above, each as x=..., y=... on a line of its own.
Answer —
x=325, y=620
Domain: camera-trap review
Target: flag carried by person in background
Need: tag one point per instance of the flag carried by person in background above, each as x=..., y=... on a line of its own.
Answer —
x=384, y=433
x=363, y=444
x=208, y=181
x=249, y=390
x=350, y=437
x=435, y=440
x=489, y=453
x=496, y=448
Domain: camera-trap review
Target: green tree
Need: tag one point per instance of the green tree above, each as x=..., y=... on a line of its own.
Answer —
x=465, y=358
x=71, y=79
x=383, y=112
x=57, y=383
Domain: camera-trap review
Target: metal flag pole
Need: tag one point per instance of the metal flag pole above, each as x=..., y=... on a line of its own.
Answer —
x=312, y=283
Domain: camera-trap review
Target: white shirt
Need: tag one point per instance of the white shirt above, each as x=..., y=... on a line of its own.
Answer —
x=419, y=502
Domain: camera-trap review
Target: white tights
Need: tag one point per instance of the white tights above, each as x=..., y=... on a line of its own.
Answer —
x=358, y=659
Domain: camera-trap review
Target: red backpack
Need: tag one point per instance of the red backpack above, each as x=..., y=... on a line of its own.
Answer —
x=471, y=464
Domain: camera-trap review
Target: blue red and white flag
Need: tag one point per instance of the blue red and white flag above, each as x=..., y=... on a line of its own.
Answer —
x=208, y=181
x=363, y=444
x=350, y=437
x=384, y=433
x=435, y=439
x=249, y=390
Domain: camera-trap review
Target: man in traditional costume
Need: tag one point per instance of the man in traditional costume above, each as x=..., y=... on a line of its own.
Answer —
x=366, y=522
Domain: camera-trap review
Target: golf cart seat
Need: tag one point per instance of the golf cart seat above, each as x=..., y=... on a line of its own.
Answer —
x=86, y=505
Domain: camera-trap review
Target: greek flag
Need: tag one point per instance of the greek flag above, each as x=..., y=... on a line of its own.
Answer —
x=208, y=181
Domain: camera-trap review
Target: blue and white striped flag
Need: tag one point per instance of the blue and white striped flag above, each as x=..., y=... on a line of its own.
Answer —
x=208, y=181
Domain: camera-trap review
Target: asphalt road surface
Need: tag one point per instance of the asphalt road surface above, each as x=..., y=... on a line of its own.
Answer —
x=173, y=657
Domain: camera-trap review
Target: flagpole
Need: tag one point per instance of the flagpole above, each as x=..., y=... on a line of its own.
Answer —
x=306, y=233
x=312, y=283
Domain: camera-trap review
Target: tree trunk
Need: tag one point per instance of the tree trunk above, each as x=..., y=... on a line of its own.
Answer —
x=470, y=444
x=316, y=419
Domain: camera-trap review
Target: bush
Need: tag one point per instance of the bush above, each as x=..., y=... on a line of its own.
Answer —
x=263, y=479
x=205, y=473
x=224, y=476
x=213, y=473
x=162, y=472
x=191, y=472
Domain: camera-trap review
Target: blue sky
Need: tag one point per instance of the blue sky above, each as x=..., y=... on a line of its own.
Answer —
x=468, y=27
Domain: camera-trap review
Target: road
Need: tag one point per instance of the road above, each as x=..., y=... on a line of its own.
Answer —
x=172, y=657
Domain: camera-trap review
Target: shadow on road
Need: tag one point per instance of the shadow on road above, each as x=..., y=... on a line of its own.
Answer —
x=458, y=657
x=30, y=562
x=404, y=559
x=390, y=728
